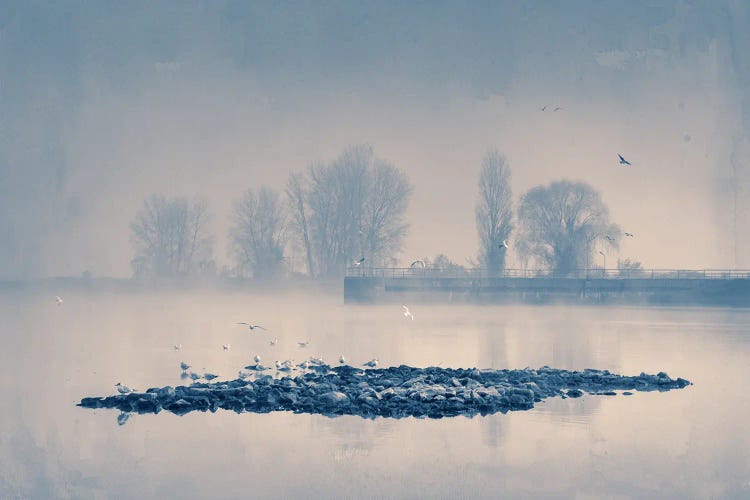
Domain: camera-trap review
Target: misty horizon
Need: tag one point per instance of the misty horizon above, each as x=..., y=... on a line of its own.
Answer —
x=104, y=106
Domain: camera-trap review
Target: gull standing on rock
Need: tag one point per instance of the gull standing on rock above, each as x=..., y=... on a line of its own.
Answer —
x=407, y=313
x=256, y=358
x=123, y=389
x=342, y=360
x=372, y=363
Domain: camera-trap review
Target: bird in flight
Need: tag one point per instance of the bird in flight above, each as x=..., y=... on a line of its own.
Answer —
x=544, y=108
x=252, y=327
x=273, y=341
x=556, y=109
x=407, y=313
x=418, y=263
x=59, y=300
x=372, y=363
x=123, y=389
x=303, y=343
x=503, y=245
x=629, y=234
x=623, y=161
x=609, y=238
x=177, y=347
x=226, y=347
x=360, y=261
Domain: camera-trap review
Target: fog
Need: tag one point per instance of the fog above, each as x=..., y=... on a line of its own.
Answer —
x=103, y=104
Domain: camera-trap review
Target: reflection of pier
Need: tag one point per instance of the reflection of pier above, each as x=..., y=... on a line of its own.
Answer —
x=653, y=286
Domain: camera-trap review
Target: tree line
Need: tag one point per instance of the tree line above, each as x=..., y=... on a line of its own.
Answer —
x=351, y=211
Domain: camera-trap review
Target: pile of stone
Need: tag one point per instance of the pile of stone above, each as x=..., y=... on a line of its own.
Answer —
x=389, y=392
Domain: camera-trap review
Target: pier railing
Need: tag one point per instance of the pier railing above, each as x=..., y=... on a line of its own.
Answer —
x=433, y=273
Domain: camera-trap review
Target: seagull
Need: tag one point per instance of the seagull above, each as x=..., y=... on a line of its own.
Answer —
x=210, y=376
x=303, y=344
x=273, y=342
x=252, y=327
x=342, y=360
x=372, y=363
x=304, y=365
x=629, y=234
x=282, y=366
x=59, y=300
x=194, y=376
x=503, y=245
x=123, y=389
x=407, y=313
x=177, y=347
x=544, y=108
x=360, y=261
x=256, y=358
x=419, y=263
x=316, y=361
x=226, y=347
x=556, y=109
x=609, y=238
x=623, y=161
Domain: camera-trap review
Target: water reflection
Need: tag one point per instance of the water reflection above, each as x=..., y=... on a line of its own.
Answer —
x=688, y=443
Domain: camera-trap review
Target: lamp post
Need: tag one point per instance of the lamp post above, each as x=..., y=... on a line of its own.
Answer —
x=604, y=269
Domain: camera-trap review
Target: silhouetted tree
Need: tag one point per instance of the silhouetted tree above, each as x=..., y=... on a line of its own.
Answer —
x=494, y=212
x=258, y=234
x=171, y=237
x=350, y=208
x=561, y=223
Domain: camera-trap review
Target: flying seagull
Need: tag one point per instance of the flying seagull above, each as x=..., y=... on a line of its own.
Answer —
x=372, y=363
x=623, y=161
x=609, y=238
x=184, y=366
x=556, y=109
x=252, y=327
x=407, y=313
x=503, y=245
x=304, y=343
x=273, y=342
x=629, y=234
x=419, y=263
x=226, y=347
x=544, y=108
x=59, y=300
x=123, y=389
x=177, y=347
x=360, y=261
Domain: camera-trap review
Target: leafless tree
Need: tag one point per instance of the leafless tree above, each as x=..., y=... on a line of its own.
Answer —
x=350, y=208
x=494, y=211
x=171, y=237
x=560, y=225
x=259, y=234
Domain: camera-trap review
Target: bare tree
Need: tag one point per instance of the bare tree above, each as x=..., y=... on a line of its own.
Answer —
x=494, y=212
x=350, y=208
x=561, y=223
x=171, y=237
x=258, y=234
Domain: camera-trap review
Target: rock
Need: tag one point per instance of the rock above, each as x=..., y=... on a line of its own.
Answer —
x=333, y=398
x=574, y=393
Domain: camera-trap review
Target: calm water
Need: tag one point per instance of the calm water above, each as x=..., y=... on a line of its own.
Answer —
x=689, y=443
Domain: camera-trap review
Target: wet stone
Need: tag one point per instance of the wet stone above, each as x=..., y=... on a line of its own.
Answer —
x=394, y=392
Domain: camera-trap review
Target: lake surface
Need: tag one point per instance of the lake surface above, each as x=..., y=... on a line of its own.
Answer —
x=689, y=443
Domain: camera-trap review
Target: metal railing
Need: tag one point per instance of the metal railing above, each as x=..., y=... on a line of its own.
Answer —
x=433, y=273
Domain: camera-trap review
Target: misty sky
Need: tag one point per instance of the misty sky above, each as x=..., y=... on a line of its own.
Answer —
x=104, y=103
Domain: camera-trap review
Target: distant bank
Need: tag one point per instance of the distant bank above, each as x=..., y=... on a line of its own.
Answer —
x=594, y=286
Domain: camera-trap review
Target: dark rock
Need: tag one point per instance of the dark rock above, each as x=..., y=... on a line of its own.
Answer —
x=574, y=393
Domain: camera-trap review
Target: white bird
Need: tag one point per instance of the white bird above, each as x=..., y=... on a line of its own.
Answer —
x=304, y=365
x=372, y=363
x=316, y=361
x=177, y=347
x=303, y=343
x=226, y=347
x=342, y=360
x=256, y=358
x=623, y=161
x=407, y=313
x=184, y=366
x=359, y=262
x=123, y=389
x=273, y=342
x=418, y=263
x=59, y=300
x=252, y=327
x=556, y=109
x=503, y=245
x=282, y=366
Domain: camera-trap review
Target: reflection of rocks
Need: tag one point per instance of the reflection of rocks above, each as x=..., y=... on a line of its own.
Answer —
x=390, y=392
